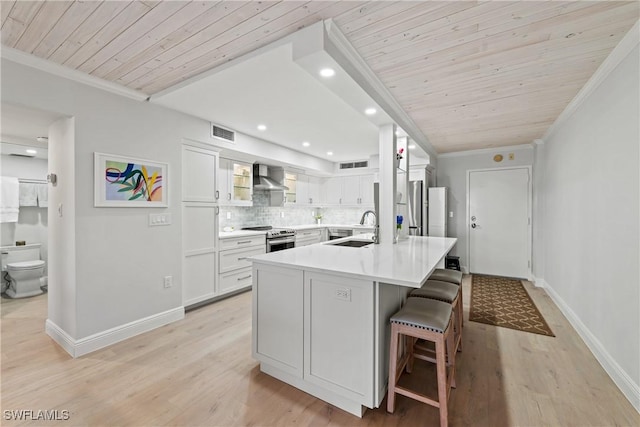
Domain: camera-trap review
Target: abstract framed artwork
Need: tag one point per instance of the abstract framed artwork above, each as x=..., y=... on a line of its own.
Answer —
x=129, y=182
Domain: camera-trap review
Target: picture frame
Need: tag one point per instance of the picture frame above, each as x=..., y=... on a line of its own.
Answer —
x=129, y=182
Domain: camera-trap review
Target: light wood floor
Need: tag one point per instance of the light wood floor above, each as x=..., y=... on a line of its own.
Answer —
x=199, y=372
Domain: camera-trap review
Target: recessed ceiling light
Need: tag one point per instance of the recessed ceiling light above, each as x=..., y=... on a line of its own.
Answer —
x=262, y=127
x=370, y=111
x=306, y=144
x=31, y=151
x=327, y=72
x=329, y=153
x=412, y=146
x=42, y=139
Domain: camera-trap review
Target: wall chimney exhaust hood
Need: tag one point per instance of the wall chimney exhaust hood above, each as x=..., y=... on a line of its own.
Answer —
x=268, y=178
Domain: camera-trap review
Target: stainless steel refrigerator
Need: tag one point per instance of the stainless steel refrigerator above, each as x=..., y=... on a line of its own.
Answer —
x=418, y=208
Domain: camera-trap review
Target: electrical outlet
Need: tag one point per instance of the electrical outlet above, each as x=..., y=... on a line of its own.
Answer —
x=512, y=156
x=168, y=281
x=450, y=214
x=343, y=294
x=313, y=213
x=228, y=215
x=282, y=214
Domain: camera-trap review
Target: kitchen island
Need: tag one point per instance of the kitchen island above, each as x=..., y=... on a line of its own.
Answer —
x=321, y=313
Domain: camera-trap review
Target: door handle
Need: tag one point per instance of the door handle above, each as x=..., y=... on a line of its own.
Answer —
x=473, y=225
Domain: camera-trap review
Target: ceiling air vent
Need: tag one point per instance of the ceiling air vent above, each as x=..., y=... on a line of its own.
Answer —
x=222, y=133
x=353, y=165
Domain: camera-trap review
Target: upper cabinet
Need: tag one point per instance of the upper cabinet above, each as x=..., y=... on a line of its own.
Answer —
x=199, y=173
x=353, y=190
x=304, y=190
x=291, y=181
x=235, y=183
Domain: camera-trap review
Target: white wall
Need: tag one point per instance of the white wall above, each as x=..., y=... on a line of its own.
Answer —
x=591, y=215
x=452, y=173
x=32, y=220
x=62, y=298
x=115, y=262
x=118, y=260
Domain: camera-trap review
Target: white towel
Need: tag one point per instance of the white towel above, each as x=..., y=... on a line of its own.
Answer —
x=28, y=194
x=9, y=207
x=43, y=195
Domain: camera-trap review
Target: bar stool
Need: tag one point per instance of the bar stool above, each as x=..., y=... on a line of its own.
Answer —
x=449, y=293
x=430, y=320
x=451, y=276
x=446, y=275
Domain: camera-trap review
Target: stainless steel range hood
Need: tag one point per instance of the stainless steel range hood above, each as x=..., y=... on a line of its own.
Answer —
x=268, y=178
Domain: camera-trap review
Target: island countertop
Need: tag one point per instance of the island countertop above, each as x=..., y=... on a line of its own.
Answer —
x=408, y=263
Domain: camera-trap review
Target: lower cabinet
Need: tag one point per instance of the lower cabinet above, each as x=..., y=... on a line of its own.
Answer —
x=323, y=333
x=337, y=347
x=309, y=237
x=234, y=269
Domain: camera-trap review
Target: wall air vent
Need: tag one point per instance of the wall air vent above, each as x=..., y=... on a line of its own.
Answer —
x=354, y=165
x=222, y=133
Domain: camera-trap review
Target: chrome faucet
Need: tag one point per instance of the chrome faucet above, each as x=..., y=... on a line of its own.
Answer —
x=364, y=216
x=376, y=228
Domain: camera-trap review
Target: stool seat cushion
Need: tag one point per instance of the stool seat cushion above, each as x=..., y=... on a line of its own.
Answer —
x=424, y=313
x=446, y=275
x=435, y=289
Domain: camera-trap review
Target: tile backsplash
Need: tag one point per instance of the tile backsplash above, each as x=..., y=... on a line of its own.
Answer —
x=246, y=216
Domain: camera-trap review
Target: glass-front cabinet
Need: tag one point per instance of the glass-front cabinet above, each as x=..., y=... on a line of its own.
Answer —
x=235, y=183
x=291, y=181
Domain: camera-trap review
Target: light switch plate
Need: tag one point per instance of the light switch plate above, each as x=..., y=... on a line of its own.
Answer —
x=159, y=219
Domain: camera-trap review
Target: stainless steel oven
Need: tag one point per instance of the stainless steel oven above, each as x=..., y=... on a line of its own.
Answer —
x=278, y=239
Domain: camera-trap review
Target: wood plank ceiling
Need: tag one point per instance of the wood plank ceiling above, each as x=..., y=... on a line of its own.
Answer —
x=471, y=74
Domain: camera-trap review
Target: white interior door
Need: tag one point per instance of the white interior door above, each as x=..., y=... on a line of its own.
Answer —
x=499, y=238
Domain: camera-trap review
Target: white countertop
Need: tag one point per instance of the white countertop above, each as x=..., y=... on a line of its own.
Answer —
x=407, y=263
x=245, y=233
x=240, y=233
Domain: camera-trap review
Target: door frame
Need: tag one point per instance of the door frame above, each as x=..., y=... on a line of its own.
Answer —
x=529, y=212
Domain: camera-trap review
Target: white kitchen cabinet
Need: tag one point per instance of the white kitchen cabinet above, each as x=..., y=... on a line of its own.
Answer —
x=235, y=183
x=366, y=190
x=234, y=269
x=199, y=174
x=291, y=182
x=308, y=237
x=308, y=191
x=350, y=190
x=358, y=231
x=277, y=332
x=199, y=242
x=340, y=362
x=199, y=223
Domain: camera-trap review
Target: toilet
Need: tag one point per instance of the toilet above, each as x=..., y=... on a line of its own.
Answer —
x=22, y=270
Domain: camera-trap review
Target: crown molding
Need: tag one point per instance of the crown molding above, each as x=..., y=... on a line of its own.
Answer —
x=617, y=55
x=50, y=67
x=340, y=49
x=486, y=150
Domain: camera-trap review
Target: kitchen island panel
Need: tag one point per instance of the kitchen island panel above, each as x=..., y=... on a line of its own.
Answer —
x=278, y=318
x=339, y=334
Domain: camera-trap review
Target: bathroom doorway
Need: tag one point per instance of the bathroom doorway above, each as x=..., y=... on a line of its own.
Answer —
x=24, y=158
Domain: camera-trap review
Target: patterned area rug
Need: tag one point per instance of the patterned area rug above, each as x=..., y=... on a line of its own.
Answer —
x=501, y=301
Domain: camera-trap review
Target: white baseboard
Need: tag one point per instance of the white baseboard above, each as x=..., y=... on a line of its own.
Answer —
x=77, y=348
x=539, y=282
x=626, y=385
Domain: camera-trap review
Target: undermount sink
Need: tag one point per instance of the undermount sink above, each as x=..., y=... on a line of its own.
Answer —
x=353, y=243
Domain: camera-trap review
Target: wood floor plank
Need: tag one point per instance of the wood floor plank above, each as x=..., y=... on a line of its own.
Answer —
x=199, y=371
